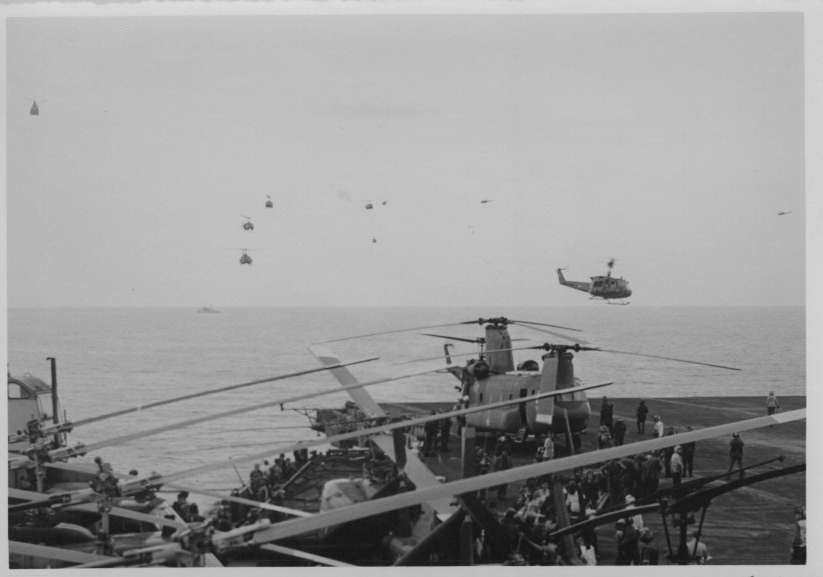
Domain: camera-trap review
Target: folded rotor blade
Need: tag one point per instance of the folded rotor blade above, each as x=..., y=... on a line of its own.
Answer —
x=213, y=391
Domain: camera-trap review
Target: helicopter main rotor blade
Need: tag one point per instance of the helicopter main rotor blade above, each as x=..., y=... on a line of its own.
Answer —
x=182, y=424
x=365, y=509
x=304, y=555
x=56, y=553
x=453, y=355
x=687, y=361
x=214, y=391
x=477, y=341
x=392, y=332
x=545, y=325
x=557, y=335
x=371, y=431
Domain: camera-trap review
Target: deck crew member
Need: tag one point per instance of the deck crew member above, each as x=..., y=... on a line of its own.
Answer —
x=698, y=552
x=677, y=466
x=771, y=403
x=799, y=541
x=642, y=411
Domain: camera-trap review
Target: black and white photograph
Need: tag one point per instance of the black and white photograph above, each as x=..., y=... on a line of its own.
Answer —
x=361, y=285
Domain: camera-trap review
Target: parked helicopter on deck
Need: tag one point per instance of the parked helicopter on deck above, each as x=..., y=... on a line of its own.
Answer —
x=601, y=287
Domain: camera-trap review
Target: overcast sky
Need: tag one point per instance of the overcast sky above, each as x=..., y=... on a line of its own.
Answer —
x=668, y=142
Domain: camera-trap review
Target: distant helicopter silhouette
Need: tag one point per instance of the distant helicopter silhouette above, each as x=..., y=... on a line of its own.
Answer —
x=600, y=287
x=269, y=203
x=34, y=110
x=248, y=224
x=245, y=258
x=784, y=212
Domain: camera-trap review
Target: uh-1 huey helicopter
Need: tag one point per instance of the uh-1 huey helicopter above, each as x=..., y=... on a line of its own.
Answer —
x=601, y=287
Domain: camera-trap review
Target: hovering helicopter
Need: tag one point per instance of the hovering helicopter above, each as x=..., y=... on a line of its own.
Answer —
x=248, y=224
x=784, y=212
x=269, y=203
x=35, y=110
x=369, y=206
x=600, y=287
x=245, y=258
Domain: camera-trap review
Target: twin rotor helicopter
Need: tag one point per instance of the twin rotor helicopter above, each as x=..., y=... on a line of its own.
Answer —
x=492, y=376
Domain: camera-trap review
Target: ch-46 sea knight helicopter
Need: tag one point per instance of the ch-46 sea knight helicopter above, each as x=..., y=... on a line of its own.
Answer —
x=493, y=376
x=607, y=288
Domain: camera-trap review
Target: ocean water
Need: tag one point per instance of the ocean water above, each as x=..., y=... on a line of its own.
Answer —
x=110, y=359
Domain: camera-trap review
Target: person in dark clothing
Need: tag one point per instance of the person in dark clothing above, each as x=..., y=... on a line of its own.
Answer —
x=667, y=454
x=736, y=453
x=430, y=429
x=606, y=414
x=688, y=457
x=642, y=411
x=619, y=432
x=445, y=433
x=628, y=552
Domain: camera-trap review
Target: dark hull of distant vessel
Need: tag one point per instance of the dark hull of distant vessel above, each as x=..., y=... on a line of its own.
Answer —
x=207, y=310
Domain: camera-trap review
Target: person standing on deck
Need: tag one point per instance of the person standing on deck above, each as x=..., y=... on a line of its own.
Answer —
x=619, y=432
x=548, y=448
x=771, y=403
x=642, y=411
x=698, y=552
x=736, y=453
x=606, y=414
x=677, y=466
x=658, y=426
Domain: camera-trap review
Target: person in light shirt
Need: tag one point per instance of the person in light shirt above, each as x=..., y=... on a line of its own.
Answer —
x=658, y=427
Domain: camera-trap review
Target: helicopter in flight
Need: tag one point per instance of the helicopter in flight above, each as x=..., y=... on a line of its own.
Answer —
x=601, y=287
x=269, y=202
x=247, y=224
x=245, y=258
x=34, y=110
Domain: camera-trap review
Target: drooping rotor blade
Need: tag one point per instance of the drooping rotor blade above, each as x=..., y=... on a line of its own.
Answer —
x=666, y=358
x=474, y=354
x=478, y=340
x=556, y=334
x=304, y=555
x=376, y=506
x=392, y=332
x=544, y=325
x=218, y=390
x=371, y=431
x=157, y=430
x=56, y=553
x=242, y=501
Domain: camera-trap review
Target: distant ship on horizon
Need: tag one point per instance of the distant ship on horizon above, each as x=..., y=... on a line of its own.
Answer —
x=207, y=309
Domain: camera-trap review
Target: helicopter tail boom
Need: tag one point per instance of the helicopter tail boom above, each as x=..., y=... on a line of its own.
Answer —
x=581, y=286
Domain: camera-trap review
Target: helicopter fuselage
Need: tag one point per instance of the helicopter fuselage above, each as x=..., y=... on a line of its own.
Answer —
x=516, y=419
x=600, y=287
